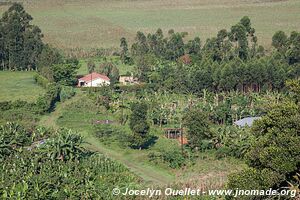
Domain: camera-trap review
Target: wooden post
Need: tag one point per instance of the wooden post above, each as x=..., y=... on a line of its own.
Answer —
x=181, y=133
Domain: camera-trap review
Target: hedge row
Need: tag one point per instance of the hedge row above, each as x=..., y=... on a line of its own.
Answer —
x=41, y=80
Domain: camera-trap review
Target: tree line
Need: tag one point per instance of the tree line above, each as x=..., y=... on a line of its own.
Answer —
x=22, y=48
x=20, y=41
x=232, y=60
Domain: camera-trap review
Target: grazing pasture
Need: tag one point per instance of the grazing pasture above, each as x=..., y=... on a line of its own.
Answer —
x=93, y=24
x=19, y=85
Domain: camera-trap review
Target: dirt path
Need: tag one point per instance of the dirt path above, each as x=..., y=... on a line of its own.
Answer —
x=50, y=119
x=149, y=174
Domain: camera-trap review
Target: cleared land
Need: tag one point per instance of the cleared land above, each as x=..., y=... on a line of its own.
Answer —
x=19, y=85
x=91, y=24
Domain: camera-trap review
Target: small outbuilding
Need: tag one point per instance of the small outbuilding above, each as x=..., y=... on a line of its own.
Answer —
x=128, y=80
x=93, y=80
x=248, y=121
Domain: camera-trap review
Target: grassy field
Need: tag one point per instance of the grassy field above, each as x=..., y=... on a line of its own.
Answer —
x=19, y=85
x=93, y=23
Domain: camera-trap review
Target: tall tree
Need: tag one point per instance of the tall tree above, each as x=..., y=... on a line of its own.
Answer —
x=293, y=53
x=197, y=125
x=124, y=50
x=279, y=41
x=139, y=125
x=21, y=42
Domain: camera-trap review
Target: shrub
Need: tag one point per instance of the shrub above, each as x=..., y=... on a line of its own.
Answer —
x=172, y=156
x=42, y=81
x=66, y=92
x=47, y=102
x=223, y=152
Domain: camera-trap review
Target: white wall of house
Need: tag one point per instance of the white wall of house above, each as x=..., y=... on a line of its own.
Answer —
x=97, y=83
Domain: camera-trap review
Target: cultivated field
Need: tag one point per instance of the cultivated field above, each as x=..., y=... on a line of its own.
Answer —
x=19, y=85
x=93, y=23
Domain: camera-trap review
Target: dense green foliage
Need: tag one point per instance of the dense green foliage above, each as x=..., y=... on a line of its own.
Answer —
x=231, y=61
x=139, y=125
x=20, y=41
x=56, y=68
x=40, y=80
x=198, y=131
x=273, y=158
x=47, y=102
x=19, y=111
x=110, y=70
x=21, y=48
x=55, y=168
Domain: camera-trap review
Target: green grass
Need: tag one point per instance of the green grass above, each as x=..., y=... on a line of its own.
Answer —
x=19, y=85
x=79, y=112
x=92, y=23
x=123, y=68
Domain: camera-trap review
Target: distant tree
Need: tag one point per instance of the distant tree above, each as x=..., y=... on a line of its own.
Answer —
x=48, y=57
x=139, y=125
x=21, y=42
x=91, y=66
x=65, y=74
x=175, y=45
x=197, y=124
x=3, y=49
x=193, y=46
x=293, y=53
x=140, y=47
x=110, y=70
x=144, y=66
x=124, y=51
x=238, y=35
x=279, y=41
x=33, y=46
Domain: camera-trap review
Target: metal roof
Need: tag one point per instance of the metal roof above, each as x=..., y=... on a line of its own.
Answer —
x=248, y=121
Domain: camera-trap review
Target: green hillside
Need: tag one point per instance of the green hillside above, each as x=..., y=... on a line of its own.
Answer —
x=91, y=23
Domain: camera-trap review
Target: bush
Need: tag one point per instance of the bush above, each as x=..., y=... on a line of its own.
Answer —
x=42, y=81
x=131, y=88
x=253, y=179
x=47, y=102
x=171, y=156
x=174, y=158
x=223, y=152
x=66, y=92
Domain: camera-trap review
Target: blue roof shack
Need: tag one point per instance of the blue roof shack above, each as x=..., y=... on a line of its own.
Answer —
x=248, y=121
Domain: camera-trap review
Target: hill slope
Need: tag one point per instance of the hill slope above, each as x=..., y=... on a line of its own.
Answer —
x=89, y=24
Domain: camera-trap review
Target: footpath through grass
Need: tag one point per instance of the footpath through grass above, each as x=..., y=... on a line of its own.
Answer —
x=78, y=114
x=151, y=174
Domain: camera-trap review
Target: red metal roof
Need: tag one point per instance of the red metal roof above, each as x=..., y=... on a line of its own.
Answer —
x=94, y=76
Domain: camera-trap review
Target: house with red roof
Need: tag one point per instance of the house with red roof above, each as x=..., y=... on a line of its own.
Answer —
x=93, y=80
